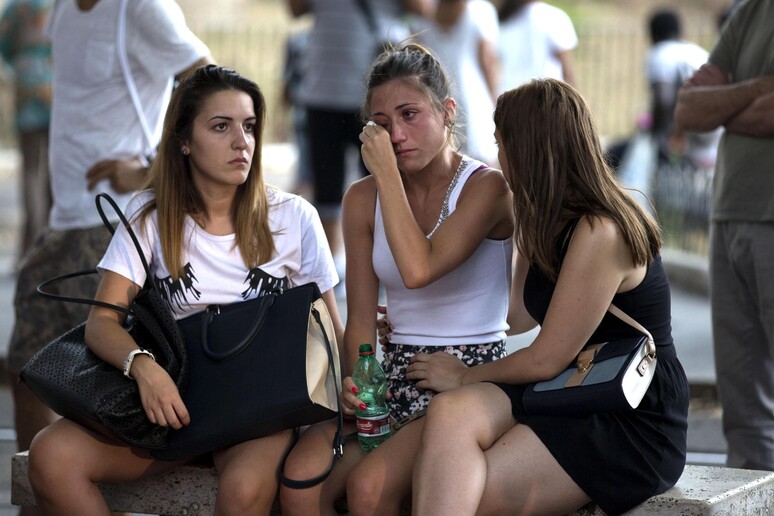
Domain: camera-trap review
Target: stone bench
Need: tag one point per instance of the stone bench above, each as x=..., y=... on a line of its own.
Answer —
x=190, y=490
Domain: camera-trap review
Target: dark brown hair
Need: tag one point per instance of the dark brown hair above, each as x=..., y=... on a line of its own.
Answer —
x=557, y=171
x=170, y=175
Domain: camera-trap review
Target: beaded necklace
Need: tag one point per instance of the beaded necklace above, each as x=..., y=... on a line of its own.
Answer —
x=445, y=206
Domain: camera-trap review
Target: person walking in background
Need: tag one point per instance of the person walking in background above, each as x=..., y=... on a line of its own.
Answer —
x=536, y=40
x=296, y=50
x=342, y=44
x=670, y=62
x=434, y=227
x=207, y=182
x=735, y=90
x=463, y=33
x=25, y=47
x=97, y=145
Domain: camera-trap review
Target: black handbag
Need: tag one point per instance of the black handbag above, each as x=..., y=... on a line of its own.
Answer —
x=605, y=377
x=257, y=367
x=77, y=384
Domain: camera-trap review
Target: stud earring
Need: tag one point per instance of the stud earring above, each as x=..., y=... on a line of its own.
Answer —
x=184, y=151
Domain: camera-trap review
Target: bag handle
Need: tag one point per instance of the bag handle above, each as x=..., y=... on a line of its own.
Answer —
x=41, y=289
x=637, y=326
x=257, y=324
x=338, y=438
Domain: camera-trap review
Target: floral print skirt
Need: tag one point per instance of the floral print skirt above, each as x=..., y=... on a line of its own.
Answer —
x=406, y=397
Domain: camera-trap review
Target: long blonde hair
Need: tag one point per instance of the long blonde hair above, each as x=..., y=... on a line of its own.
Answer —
x=558, y=173
x=170, y=174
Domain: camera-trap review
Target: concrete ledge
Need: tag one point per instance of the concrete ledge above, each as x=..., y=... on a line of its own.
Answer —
x=191, y=490
x=688, y=270
x=188, y=490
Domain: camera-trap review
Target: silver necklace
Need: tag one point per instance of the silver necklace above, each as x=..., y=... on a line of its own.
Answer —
x=445, y=206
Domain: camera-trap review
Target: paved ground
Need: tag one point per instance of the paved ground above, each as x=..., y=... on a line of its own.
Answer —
x=690, y=312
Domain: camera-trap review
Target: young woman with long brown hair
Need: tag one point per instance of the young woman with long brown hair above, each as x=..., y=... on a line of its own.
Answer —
x=582, y=243
x=433, y=227
x=208, y=226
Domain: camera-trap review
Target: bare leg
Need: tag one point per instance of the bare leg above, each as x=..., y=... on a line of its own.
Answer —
x=450, y=471
x=66, y=461
x=309, y=458
x=524, y=478
x=30, y=414
x=473, y=453
x=247, y=475
x=381, y=482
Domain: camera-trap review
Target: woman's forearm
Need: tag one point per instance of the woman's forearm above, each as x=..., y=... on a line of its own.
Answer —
x=410, y=247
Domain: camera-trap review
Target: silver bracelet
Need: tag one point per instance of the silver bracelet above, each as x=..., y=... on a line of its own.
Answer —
x=130, y=359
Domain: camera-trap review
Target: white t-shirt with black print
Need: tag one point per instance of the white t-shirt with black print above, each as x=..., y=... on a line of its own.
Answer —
x=214, y=272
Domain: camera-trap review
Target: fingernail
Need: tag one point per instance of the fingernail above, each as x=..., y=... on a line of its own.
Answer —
x=354, y=389
x=363, y=406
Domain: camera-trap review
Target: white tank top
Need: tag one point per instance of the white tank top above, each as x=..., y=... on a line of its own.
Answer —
x=469, y=305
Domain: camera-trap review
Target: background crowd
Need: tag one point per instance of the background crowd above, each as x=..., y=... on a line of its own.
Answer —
x=487, y=46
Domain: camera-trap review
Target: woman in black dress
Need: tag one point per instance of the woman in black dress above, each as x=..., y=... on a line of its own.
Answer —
x=583, y=243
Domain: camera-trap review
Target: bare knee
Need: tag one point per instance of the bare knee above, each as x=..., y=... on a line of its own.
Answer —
x=447, y=412
x=366, y=487
x=299, y=501
x=310, y=458
x=302, y=502
x=245, y=494
x=52, y=464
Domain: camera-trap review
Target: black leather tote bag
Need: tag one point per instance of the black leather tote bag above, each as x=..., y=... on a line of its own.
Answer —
x=256, y=367
x=77, y=384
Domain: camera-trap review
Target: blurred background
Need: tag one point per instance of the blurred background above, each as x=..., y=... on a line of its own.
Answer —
x=250, y=36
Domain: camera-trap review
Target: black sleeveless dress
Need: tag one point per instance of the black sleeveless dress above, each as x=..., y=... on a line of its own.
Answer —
x=619, y=459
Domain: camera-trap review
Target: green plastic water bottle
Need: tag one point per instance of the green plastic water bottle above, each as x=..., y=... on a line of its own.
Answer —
x=373, y=423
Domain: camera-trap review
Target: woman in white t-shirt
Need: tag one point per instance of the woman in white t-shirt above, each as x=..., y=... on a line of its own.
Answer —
x=209, y=226
x=433, y=227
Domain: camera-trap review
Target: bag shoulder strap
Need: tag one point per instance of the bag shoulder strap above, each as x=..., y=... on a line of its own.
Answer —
x=634, y=324
x=338, y=438
x=123, y=61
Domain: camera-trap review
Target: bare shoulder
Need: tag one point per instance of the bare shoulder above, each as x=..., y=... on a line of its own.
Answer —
x=599, y=234
x=363, y=189
x=601, y=238
x=360, y=198
x=489, y=181
x=599, y=226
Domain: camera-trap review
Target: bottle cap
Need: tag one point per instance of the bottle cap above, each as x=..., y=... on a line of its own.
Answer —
x=366, y=349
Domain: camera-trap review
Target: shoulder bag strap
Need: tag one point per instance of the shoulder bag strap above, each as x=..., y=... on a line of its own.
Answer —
x=123, y=60
x=338, y=438
x=89, y=301
x=634, y=324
